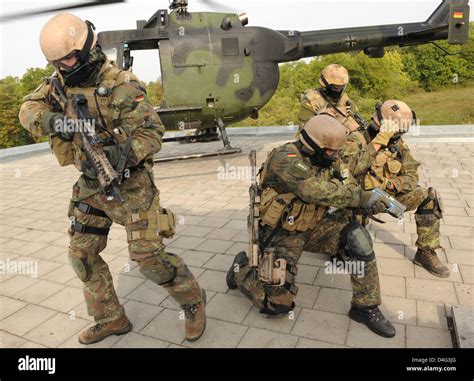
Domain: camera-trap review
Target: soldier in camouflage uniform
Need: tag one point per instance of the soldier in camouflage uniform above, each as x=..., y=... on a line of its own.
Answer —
x=305, y=192
x=117, y=99
x=395, y=170
x=332, y=99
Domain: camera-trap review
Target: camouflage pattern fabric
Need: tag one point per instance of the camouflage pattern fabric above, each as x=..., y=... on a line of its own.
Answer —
x=407, y=190
x=354, y=154
x=127, y=109
x=287, y=170
x=140, y=195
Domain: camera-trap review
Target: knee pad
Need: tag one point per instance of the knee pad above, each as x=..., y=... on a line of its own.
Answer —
x=81, y=267
x=356, y=242
x=160, y=268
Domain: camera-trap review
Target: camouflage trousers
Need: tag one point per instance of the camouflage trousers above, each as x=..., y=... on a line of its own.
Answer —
x=145, y=247
x=324, y=238
x=427, y=225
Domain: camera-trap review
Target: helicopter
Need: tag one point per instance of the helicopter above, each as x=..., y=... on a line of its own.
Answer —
x=216, y=70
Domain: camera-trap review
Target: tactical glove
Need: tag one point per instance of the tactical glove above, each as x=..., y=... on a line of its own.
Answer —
x=371, y=203
x=387, y=131
x=56, y=123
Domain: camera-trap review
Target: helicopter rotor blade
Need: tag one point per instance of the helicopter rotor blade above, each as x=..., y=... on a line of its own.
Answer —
x=218, y=6
x=91, y=3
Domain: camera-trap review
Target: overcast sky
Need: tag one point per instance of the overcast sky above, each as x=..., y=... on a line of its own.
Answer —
x=20, y=49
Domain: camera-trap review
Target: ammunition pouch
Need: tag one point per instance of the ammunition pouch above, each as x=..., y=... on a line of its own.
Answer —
x=437, y=209
x=300, y=216
x=160, y=222
x=270, y=269
x=384, y=167
x=356, y=242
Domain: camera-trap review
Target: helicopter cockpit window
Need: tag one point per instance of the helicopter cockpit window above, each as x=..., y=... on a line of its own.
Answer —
x=111, y=54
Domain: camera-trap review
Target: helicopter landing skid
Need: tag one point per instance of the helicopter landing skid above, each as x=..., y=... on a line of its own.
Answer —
x=225, y=151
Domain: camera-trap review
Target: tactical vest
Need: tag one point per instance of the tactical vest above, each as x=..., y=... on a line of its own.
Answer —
x=341, y=112
x=70, y=152
x=386, y=165
x=277, y=204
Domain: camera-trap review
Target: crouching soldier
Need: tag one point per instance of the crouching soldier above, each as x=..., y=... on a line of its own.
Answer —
x=305, y=191
x=395, y=170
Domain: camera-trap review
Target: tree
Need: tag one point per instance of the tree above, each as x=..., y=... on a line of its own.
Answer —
x=34, y=77
x=11, y=132
x=155, y=92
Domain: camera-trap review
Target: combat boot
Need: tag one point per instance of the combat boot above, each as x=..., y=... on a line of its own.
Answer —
x=428, y=259
x=195, y=319
x=240, y=260
x=99, y=332
x=373, y=318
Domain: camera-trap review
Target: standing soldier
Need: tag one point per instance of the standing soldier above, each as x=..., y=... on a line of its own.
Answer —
x=130, y=132
x=299, y=183
x=395, y=170
x=332, y=99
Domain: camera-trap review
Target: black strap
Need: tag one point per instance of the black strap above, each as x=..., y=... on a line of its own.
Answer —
x=291, y=288
x=84, y=53
x=124, y=156
x=424, y=211
x=81, y=228
x=279, y=226
x=378, y=108
x=377, y=177
x=292, y=269
x=308, y=140
x=375, y=219
x=87, y=209
x=423, y=204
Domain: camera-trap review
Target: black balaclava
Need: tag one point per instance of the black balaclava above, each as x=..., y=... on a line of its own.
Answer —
x=318, y=157
x=85, y=74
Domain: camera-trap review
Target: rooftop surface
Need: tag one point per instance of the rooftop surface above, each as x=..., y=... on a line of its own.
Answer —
x=210, y=197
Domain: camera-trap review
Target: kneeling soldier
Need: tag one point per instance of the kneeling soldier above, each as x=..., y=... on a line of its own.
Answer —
x=299, y=183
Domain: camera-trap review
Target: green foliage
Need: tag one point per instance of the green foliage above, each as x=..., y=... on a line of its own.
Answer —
x=33, y=78
x=402, y=73
x=155, y=92
x=434, y=69
x=11, y=132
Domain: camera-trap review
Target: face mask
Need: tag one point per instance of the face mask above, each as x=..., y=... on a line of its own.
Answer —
x=334, y=92
x=83, y=73
x=321, y=159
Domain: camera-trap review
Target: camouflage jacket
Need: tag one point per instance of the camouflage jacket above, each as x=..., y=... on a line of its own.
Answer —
x=313, y=102
x=287, y=170
x=126, y=110
x=354, y=154
x=393, y=164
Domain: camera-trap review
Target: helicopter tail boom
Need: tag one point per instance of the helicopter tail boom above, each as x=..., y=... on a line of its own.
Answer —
x=449, y=21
